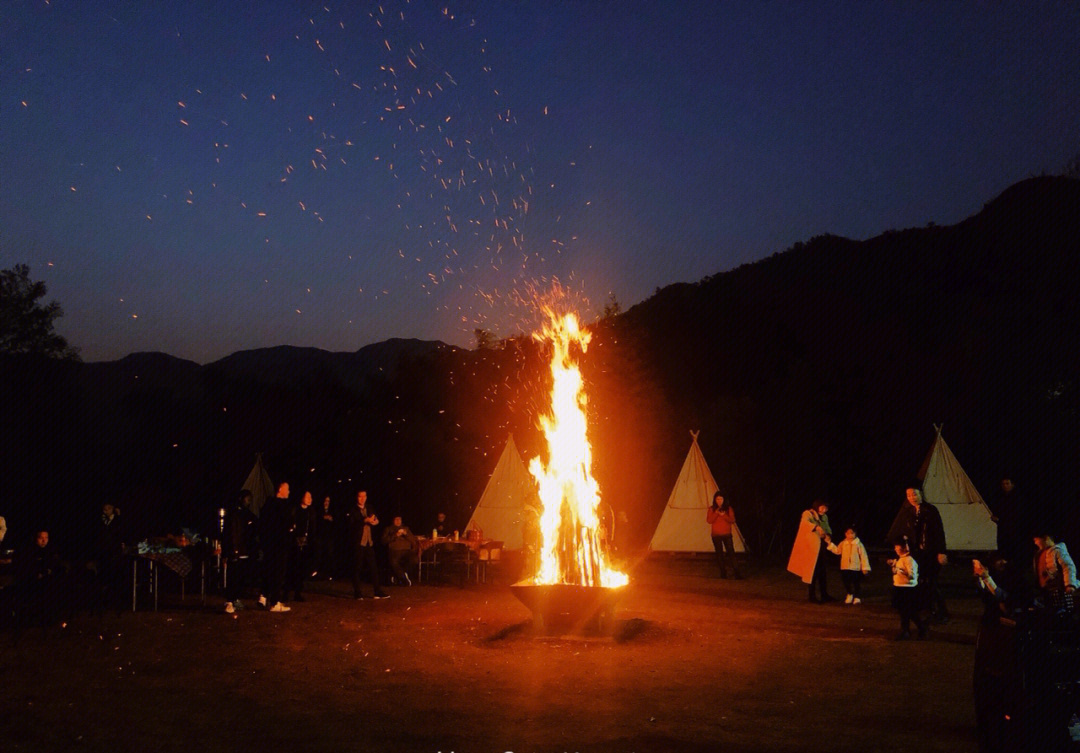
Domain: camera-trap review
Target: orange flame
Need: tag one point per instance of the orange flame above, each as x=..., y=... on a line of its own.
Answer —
x=570, y=550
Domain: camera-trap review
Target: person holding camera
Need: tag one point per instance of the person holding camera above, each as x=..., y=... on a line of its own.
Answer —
x=722, y=519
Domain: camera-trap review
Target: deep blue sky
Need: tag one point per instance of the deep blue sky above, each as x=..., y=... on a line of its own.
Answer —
x=205, y=177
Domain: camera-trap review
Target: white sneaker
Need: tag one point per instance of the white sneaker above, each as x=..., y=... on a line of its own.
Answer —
x=229, y=608
x=856, y=600
x=279, y=607
x=848, y=599
x=262, y=600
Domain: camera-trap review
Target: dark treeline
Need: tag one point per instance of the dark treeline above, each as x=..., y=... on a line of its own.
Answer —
x=819, y=371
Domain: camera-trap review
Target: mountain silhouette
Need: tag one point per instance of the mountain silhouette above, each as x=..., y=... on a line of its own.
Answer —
x=816, y=372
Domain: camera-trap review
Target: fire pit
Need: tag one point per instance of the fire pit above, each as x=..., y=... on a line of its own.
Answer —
x=562, y=608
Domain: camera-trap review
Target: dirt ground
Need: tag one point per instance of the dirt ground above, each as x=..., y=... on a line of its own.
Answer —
x=692, y=663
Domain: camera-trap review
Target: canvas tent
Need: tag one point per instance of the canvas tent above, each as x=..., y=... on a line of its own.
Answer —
x=259, y=484
x=509, y=493
x=682, y=527
x=964, y=514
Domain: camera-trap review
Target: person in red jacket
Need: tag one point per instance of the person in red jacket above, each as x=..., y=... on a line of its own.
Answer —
x=721, y=517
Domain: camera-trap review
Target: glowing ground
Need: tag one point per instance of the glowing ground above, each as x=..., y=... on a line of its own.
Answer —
x=691, y=663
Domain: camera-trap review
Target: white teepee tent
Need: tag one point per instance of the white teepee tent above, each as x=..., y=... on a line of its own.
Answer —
x=259, y=484
x=682, y=527
x=509, y=493
x=964, y=514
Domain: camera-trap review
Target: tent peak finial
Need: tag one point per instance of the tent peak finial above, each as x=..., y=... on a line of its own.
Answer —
x=694, y=434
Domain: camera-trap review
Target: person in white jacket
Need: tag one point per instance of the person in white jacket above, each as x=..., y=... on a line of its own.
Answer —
x=854, y=564
x=904, y=579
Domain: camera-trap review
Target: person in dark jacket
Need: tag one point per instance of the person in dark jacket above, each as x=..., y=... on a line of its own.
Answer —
x=402, y=547
x=1013, y=526
x=442, y=526
x=239, y=549
x=274, y=524
x=40, y=582
x=362, y=522
x=107, y=557
x=326, y=542
x=919, y=525
x=301, y=546
x=998, y=676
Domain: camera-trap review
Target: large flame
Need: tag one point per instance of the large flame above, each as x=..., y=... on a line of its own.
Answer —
x=570, y=550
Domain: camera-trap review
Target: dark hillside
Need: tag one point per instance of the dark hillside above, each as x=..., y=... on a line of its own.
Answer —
x=835, y=358
x=818, y=371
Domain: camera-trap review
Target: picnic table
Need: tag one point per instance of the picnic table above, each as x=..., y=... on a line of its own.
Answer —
x=473, y=554
x=174, y=559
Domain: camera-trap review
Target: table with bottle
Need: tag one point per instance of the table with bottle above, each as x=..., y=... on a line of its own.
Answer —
x=470, y=545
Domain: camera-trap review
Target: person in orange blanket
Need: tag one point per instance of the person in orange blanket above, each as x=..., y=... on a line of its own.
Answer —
x=722, y=518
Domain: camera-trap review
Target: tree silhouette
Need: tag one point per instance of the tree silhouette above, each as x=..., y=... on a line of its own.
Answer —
x=612, y=308
x=485, y=340
x=26, y=325
x=1072, y=168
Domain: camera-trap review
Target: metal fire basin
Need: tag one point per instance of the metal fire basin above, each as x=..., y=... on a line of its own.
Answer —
x=561, y=608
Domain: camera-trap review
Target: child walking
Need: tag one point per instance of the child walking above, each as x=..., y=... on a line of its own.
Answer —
x=905, y=579
x=854, y=564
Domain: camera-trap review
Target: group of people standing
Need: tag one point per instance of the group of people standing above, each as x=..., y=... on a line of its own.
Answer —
x=276, y=549
x=917, y=537
x=813, y=540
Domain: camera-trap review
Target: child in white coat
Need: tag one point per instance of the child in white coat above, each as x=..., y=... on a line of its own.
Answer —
x=854, y=564
x=905, y=580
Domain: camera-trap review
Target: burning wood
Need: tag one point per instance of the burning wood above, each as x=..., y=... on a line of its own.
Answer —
x=570, y=552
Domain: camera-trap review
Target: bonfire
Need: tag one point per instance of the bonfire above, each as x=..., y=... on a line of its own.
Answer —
x=574, y=577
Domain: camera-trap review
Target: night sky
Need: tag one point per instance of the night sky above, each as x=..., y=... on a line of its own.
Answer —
x=205, y=177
